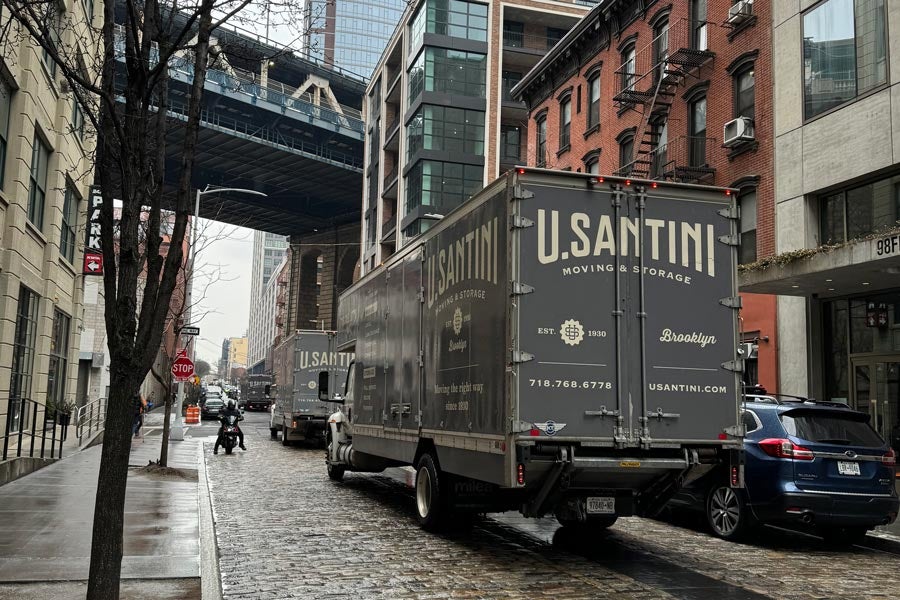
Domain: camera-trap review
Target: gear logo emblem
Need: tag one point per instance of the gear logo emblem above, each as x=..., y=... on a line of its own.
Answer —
x=571, y=332
x=457, y=321
x=312, y=384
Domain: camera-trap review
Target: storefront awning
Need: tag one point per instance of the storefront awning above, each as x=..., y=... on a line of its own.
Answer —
x=859, y=267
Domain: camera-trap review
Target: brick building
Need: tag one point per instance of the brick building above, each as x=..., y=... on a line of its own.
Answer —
x=651, y=89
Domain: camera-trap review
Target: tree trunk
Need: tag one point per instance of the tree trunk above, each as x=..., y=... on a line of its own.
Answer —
x=109, y=505
x=164, y=451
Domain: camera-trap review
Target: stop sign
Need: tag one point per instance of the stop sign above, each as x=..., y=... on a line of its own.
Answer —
x=182, y=368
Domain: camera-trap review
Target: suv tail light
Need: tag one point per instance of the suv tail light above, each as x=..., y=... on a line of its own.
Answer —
x=889, y=459
x=782, y=448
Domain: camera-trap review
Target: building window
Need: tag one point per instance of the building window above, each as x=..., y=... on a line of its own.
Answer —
x=446, y=129
x=628, y=65
x=593, y=115
x=510, y=143
x=554, y=35
x=459, y=19
x=565, y=122
x=88, y=6
x=698, y=25
x=745, y=93
x=416, y=30
x=510, y=79
x=23, y=349
x=59, y=351
x=5, y=101
x=449, y=72
x=541, y=133
x=40, y=157
x=435, y=183
x=660, y=159
x=860, y=211
x=747, y=250
x=660, y=46
x=513, y=34
x=697, y=129
x=626, y=150
x=67, y=228
x=844, y=52
x=77, y=120
x=53, y=37
x=592, y=162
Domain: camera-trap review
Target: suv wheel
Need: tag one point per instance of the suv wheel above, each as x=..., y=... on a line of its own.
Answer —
x=727, y=512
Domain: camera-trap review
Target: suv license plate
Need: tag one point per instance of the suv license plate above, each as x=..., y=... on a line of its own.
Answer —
x=848, y=468
x=601, y=506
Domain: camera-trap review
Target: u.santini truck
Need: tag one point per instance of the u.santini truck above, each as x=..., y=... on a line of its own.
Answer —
x=560, y=344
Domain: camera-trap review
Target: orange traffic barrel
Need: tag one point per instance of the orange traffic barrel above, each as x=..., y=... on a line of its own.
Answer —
x=192, y=416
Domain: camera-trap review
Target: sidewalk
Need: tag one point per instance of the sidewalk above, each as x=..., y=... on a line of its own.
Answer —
x=46, y=520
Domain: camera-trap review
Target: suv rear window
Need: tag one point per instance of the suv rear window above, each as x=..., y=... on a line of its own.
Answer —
x=851, y=429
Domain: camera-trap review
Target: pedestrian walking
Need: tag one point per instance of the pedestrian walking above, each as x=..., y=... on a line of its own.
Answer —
x=140, y=406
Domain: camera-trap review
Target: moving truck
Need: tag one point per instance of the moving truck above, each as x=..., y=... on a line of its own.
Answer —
x=562, y=344
x=301, y=364
x=257, y=392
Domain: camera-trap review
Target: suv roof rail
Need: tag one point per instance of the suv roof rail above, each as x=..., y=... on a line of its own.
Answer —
x=782, y=399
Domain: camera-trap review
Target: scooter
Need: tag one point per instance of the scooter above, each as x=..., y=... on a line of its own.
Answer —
x=229, y=432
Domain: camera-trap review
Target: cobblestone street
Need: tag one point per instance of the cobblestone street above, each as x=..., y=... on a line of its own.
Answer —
x=285, y=531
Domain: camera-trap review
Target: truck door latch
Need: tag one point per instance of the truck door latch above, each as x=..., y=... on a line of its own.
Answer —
x=603, y=412
x=660, y=415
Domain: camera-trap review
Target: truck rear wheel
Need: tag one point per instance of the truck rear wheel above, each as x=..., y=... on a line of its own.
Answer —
x=284, y=435
x=432, y=508
x=273, y=432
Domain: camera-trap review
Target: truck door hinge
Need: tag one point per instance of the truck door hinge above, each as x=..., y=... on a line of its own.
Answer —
x=519, y=289
x=731, y=212
x=734, y=431
x=736, y=366
x=421, y=358
x=660, y=415
x=520, y=193
x=518, y=356
x=731, y=239
x=520, y=222
x=731, y=302
x=519, y=426
x=421, y=295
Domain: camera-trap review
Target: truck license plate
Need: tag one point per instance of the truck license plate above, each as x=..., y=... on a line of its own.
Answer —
x=601, y=506
x=848, y=468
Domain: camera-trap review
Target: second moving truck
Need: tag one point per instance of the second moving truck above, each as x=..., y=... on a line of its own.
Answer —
x=561, y=343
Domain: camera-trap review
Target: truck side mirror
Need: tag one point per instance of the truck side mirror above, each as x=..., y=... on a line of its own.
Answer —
x=323, y=386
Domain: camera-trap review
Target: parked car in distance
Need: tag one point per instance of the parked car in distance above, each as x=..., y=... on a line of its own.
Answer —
x=818, y=466
x=210, y=409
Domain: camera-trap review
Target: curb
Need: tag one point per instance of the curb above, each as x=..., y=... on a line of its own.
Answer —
x=210, y=576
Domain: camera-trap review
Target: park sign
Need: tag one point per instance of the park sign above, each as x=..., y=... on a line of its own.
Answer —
x=92, y=230
x=182, y=368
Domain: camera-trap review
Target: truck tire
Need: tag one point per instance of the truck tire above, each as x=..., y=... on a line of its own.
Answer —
x=727, y=512
x=273, y=432
x=335, y=472
x=432, y=506
x=284, y=435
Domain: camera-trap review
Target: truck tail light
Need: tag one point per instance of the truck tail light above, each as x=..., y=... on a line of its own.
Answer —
x=520, y=474
x=889, y=459
x=782, y=448
x=294, y=424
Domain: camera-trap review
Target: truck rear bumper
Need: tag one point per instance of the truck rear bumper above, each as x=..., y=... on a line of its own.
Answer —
x=307, y=428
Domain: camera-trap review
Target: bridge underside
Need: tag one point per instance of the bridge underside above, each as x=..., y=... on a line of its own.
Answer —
x=305, y=194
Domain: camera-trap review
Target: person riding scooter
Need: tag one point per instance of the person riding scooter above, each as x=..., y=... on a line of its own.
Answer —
x=230, y=410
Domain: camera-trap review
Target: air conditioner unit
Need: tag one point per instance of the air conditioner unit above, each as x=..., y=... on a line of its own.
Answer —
x=740, y=12
x=738, y=131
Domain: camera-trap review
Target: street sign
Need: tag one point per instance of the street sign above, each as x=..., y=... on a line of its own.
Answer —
x=93, y=263
x=190, y=330
x=182, y=368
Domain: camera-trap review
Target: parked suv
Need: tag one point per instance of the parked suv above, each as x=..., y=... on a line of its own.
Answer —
x=816, y=465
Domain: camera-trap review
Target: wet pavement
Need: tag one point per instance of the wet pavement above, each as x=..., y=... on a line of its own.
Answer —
x=299, y=535
x=46, y=520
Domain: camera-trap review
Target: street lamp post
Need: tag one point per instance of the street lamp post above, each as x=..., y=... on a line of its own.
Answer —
x=190, y=284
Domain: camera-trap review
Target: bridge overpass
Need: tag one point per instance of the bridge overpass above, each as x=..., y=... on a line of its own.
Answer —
x=286, y=126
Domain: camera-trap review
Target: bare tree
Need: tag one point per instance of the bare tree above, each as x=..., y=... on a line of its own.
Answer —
x=116, y=67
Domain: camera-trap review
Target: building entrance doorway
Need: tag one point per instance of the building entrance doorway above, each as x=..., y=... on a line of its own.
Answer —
x=876, y=391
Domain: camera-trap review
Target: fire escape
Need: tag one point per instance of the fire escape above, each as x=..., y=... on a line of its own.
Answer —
x=647, y=82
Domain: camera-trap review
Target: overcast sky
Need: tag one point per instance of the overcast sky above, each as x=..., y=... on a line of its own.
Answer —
x=225, y=259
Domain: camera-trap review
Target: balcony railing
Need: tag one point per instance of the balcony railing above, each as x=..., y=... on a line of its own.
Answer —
x=671, y=55
x=684, y=159
x=390, y=178
x=527, y=41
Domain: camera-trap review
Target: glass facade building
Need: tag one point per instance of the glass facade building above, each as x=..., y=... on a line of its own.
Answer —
x=350, y=34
